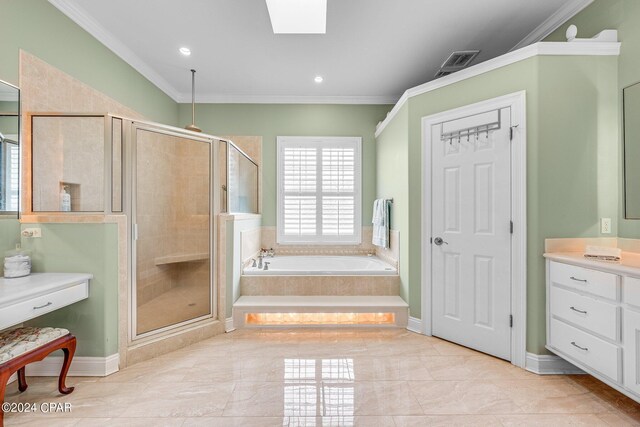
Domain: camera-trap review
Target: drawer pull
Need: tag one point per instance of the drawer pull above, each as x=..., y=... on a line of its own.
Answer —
x=43, y=306
x=573, y=343
x=579, y=311
x=578, y=280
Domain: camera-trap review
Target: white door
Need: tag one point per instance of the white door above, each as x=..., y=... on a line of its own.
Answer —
x=471, y=229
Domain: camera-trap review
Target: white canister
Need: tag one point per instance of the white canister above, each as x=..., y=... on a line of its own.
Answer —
x=17, y=263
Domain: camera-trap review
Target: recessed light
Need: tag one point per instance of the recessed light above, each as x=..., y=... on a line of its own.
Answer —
x=318, y=79
x=185, y=51
x=298, y=17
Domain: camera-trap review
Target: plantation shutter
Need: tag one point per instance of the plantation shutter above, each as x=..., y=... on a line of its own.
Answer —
x=319, y=190
x=300, y=191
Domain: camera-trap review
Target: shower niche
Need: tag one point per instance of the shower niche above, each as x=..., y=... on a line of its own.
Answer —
x=163, y=180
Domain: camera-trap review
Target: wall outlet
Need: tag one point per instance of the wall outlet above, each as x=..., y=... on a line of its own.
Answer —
x=31, y=232
x=605, y=225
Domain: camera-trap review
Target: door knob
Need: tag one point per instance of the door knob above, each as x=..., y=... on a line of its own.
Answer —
x=438, y=241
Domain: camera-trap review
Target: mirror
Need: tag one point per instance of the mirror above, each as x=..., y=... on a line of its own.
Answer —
x=631, y=104
x=9, y=150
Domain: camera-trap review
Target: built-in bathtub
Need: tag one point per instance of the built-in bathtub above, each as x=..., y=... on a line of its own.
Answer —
x=318, y=265
x=321, y=275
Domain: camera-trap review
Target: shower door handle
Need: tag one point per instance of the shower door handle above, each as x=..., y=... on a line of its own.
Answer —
x=438, y=241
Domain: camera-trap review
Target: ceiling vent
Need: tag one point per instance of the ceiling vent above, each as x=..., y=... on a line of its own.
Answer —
x=442, y=73
x=456, y=62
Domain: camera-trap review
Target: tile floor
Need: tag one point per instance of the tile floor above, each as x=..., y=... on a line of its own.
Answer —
x=322, y=377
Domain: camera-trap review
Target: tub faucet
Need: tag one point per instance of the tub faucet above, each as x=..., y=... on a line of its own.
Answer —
x=266, y=266
x=253, y=264
x=260, y=260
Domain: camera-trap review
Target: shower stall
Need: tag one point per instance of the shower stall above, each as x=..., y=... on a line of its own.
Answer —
x=163, y=179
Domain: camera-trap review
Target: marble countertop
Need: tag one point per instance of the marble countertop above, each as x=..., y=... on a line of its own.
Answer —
x=630, y=264
x=19, y=289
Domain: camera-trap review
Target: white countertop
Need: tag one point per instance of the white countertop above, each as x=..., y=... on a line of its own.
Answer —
x=630, y=264
x=18, y=289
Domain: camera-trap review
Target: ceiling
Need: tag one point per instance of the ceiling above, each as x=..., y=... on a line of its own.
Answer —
x=372, y=52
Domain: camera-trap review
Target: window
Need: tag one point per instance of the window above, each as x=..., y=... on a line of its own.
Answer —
x=319, y=190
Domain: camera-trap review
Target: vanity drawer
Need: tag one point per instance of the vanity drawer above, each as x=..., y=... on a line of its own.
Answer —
x=586, y=280
x=34, y=307
x=589, y=313
x=631, y=290
x=586, y=348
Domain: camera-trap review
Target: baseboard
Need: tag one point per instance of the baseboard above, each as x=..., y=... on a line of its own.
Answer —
x=80, y=366
x=415, y=325
x=228, y=325
x=545, y=364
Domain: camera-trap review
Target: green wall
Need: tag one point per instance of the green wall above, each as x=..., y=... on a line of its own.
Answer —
x=40, y=29
x=624, y=16
x=570, y=105
x=82, y=248
x=9, y=236
x=272, y=120
x=392, y=181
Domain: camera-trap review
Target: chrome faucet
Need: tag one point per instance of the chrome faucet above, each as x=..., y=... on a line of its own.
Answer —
x=253, y=264
x=266, y=266
x=260, y=260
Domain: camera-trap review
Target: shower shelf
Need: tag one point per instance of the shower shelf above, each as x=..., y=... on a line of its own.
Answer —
x=176, y=258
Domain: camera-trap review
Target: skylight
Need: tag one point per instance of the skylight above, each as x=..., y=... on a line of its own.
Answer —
x=298, y=16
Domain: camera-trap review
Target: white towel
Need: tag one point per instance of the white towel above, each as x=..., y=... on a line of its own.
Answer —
x=380, y=221
x=603, y=253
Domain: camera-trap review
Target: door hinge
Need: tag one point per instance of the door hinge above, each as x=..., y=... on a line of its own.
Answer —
x=511, y=320
x=511, y=128
x=430, y=239
x=511, y=227
x=135, y=231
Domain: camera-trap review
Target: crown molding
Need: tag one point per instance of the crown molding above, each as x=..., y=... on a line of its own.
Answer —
x=286, y=99
x=90, y=25
x=537, y=49
x=552, y=23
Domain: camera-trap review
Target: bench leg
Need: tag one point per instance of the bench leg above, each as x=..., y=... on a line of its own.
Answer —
x=4, y=379
x=22, y=380
x=69, y=349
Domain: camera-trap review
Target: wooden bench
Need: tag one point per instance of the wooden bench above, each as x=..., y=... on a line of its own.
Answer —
x=23, y=345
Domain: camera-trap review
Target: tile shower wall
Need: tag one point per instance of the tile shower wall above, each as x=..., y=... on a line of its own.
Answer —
x=68, y=150
x=269, y=238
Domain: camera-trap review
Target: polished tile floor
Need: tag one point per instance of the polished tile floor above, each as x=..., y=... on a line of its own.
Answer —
x=327, y=377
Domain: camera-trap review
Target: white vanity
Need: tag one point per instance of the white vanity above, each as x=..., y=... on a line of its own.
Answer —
x=24, y=298
x=593, y=317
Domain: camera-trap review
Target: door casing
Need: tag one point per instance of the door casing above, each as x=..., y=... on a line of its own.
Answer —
x=517, y=102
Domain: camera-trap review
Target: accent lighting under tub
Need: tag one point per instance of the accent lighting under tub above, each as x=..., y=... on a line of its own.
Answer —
x=311, y=319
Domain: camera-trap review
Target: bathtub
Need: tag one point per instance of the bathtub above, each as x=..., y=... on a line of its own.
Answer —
x=318, y=265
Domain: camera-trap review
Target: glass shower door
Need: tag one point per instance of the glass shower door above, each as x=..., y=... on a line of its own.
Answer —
x=172, y=229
